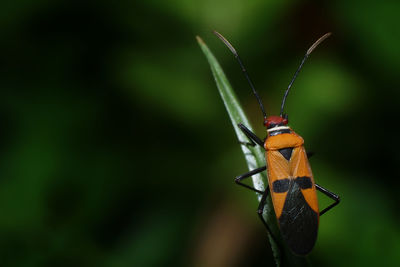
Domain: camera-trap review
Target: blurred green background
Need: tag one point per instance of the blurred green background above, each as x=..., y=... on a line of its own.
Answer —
x=116, y=149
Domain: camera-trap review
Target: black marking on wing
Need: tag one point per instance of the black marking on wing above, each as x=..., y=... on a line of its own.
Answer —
x=286, y=152
x=304, y=182
x=298, y=222
x=280, y=186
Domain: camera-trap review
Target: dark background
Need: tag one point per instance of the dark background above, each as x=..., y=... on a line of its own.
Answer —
x=116, y=149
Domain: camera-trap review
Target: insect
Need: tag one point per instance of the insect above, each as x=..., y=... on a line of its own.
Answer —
x=290, y=180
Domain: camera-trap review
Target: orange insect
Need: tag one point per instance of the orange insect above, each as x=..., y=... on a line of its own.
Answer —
x=290, y=180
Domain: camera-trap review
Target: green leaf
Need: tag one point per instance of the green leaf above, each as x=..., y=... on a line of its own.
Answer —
x=254, y=157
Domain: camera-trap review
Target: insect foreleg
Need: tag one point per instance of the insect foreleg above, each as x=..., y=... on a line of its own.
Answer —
x=254, y=139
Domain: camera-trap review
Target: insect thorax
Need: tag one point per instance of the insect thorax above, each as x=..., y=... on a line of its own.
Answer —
x=282, y=137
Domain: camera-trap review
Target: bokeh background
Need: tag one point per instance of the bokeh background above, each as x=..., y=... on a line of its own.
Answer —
x=116, y=149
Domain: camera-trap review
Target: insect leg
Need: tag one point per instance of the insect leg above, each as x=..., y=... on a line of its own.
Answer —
x=261, y=210
x=254, y=139
x=239, y=178
x=328, y=193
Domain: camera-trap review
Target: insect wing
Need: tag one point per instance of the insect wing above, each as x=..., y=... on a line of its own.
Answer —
x=299, y=220
x=294, y=198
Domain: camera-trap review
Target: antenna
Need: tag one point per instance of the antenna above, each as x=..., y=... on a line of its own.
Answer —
x=326, y=35
x=223, y=39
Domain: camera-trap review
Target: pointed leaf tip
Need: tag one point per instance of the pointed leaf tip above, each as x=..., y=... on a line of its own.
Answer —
x=199, y=40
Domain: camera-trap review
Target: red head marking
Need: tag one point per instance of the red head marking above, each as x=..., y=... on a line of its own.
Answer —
x=275, y=120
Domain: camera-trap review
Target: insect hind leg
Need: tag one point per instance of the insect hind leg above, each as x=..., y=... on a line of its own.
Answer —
x=260, y=212
x=329, y=194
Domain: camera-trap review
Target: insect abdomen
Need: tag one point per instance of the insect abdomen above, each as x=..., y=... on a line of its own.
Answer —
x=298, y=222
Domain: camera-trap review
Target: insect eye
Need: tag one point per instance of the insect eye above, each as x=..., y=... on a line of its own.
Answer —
x=285, y=119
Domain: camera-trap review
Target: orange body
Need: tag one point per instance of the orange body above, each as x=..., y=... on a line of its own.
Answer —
x=279, y=168
x=290, y=180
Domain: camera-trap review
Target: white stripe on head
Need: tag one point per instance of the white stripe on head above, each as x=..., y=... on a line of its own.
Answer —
x=278, y=128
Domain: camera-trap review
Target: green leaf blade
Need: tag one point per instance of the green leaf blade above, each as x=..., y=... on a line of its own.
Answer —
x=254, y=155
